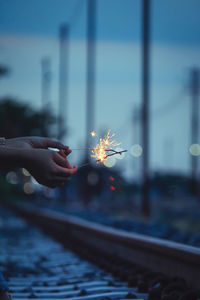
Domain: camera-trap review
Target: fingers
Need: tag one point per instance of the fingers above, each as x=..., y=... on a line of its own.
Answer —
x=63, y=168
x=65, y=172
x=60, y=160
x=55, y=144
x=61, y=163
x=65, y=153
x=68, y=151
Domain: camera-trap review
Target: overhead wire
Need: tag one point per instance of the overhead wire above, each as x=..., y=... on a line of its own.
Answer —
x=76, y=13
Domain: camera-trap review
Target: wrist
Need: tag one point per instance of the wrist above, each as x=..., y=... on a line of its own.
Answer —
x=27, y=158
x=15, y=157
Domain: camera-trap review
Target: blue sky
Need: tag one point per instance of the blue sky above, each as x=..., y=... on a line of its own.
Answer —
x=29, y=30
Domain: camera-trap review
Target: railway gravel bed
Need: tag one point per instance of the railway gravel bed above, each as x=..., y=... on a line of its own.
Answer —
x=154, y=269
x=36, y=266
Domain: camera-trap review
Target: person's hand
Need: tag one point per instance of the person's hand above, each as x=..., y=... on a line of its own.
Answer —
x=50, y=168
x=34, y=142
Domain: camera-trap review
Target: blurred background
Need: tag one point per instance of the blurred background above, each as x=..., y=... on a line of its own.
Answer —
x=69, y=67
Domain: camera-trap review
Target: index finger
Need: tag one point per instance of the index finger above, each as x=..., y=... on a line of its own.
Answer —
x=65, y=172
x=55, y=144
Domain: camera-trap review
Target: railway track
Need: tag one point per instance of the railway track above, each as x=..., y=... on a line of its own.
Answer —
x=37, y=267
x=154, y=268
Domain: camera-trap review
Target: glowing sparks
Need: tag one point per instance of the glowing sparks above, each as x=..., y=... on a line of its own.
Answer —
x=93, y=133
x=104, y=148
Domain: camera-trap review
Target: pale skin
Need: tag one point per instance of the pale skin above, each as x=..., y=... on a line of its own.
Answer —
x=48, y=167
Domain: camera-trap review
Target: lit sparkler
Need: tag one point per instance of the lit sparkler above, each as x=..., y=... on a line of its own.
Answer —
x=105, y=148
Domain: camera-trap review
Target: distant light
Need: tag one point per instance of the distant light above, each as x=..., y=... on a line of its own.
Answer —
x=109, y=162
x=112, y=188
x=25, y=172
x=136, y=150
x=119, y=156
x=93, y=133
x=92, y=178
x=34, y=182
x=195, y=149
x=112, y=178
x=48, y=192
x=29, y=188
x=12, y=177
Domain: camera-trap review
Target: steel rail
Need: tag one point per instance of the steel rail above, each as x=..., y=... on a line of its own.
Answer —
x=170, y=258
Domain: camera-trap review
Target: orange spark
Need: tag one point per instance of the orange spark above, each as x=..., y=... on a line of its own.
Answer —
x=100, y=152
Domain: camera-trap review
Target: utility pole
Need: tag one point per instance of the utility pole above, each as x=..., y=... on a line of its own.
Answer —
x=45, y=82
x=145, y=107
x=136, y=130
x=63, y=79
x=195, y=86
x=91, y=66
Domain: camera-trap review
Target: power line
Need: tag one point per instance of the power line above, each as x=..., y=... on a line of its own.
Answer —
x=168, y=107
x=75, y=15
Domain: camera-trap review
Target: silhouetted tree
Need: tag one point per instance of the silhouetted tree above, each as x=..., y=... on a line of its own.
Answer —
x=17, y=119
x=3, y=70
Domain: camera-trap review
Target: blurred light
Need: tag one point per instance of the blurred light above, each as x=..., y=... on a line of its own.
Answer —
x=109, y=162
x=93, y=133
x=136, y=150
x=34, y=182
x=92, y=178
x=48, y=192
x=25, y=172
x=112, y=178
x=112, y=188
x=120, y=156
x=29, y=188
x=195, y=149
x=12, y=177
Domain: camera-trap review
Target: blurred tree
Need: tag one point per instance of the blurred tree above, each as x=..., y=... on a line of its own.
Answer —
x=17, y=119
x=3, y=70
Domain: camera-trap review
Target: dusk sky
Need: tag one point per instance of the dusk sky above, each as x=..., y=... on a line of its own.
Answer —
x=29, y=32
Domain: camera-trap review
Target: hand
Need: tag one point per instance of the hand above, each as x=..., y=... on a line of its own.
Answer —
x=50, y=168
x=34, y=142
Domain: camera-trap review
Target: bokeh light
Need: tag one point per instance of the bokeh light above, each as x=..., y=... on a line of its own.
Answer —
x=92, y=178
x=12, y=177
x=136, y=150
x=109, y=162
x=29, y=188
x=195, y=149
x=25, y=172
x=93, y=133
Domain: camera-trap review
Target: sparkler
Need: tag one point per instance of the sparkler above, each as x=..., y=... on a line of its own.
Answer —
x=104, y=148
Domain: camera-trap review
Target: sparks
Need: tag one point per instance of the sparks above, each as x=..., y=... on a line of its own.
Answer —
x=104, y=148
x=93, y=133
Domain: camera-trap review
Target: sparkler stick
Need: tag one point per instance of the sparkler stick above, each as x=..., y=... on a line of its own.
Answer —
x=108, y=155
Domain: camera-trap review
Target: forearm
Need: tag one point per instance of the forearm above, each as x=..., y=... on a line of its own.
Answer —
x=17, y=158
